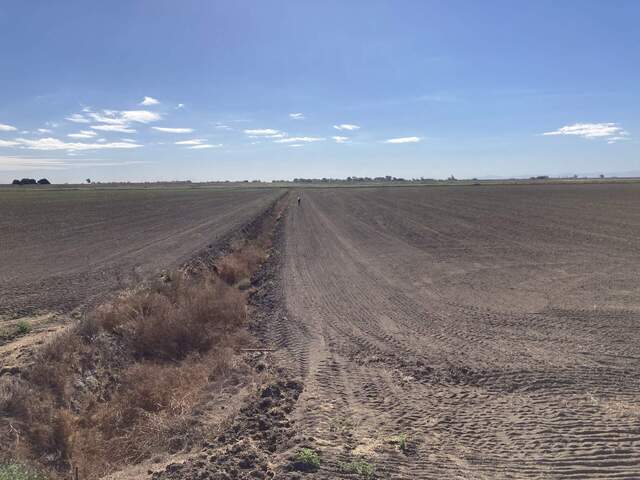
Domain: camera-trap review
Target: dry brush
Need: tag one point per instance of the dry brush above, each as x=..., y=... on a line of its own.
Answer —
x=126, y=381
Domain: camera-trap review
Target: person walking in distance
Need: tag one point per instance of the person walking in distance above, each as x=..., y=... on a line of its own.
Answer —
x=298, y=200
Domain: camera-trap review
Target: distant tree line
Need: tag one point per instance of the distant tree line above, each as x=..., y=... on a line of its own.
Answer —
x=31, y=181
x=387, y=178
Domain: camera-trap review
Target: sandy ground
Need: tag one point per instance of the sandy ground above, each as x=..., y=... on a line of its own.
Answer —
x=496, y=327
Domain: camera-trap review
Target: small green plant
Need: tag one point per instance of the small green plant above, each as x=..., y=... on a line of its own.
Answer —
x=401, y=440
x=359, y=467
x=22, y=328
x=307, y=460
x=15, y=471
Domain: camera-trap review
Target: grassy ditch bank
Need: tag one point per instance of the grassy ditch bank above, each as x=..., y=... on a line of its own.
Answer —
x=134, y=377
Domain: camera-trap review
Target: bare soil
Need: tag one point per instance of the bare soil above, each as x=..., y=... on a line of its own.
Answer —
x=476, y=332
x=495, y=328
x=64, y=249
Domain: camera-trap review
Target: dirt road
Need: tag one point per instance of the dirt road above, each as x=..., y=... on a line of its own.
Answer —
x=496, y=328
x=64, y=248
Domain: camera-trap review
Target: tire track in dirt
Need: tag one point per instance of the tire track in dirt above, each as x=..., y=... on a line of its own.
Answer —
x=392, y=336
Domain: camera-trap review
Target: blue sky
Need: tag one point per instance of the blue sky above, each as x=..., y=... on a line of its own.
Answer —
x=207, y=90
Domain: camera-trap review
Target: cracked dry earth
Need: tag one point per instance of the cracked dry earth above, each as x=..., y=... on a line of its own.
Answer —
x=495, y=328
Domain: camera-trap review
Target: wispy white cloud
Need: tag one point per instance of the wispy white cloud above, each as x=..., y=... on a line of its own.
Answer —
x=7, y=128
x=140, y=116
x=277, y=135
x=297, y=116
x=56, y=144
x=113, y=128
x=44, y=130
x=299, y=139
x=121, y=117
x=173, y=129
x=8, y=143
x=119, y=121
x=403, y=140
x=346, y=126
x=197, y=144
x=194, y=141
x=180, y=105
x=200, y=147
x=149, y=101
x=15, y=164
x=262, y=132
x=77, y=118
x=109, y=117
x=23, y=163
x=612, y=132
x=618, y=138
x=83, y=134
x=339, y=139
x=109, y=164
x=222, y=126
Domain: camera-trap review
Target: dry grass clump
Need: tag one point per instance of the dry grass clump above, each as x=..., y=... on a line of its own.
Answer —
x=32, y=422
x=53, y=369
x=174, y=319
x=239, y=265
x=152, y=411
x=122, y=383
x=13, y=397
x=249, y=253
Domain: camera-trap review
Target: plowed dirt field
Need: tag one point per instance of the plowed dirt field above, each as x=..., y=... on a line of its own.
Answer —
x=60, y=249
x=495, y=328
